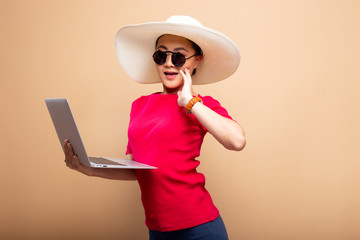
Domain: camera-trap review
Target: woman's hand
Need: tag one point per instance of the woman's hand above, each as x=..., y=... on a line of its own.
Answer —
x=185, y=95
x=72, y=161
x=228, y=132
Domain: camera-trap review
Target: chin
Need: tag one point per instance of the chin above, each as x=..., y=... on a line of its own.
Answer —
x=173, y=84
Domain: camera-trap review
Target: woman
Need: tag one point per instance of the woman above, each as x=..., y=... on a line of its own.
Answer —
x=167, y=128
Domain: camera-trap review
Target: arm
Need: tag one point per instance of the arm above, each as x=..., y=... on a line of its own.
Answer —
x=73, y=162
x=226, y=131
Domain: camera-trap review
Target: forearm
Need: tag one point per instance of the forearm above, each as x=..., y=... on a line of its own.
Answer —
x=114, y=173
x=226, y=131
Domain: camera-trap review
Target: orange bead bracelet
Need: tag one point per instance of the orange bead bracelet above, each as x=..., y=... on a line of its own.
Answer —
x=191, y=103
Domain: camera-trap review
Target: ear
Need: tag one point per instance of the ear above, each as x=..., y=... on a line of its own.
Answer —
x=198, y=59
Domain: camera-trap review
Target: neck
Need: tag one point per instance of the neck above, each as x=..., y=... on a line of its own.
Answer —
x=171, y=90
x=175, y=90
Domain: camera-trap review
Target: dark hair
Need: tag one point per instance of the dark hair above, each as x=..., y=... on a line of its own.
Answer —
x=196, y=47
x=198, y=51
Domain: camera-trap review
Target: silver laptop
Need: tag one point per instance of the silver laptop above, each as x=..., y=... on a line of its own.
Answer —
x=65, y=126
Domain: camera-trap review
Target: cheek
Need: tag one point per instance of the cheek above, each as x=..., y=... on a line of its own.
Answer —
x=188, y=66
x=158, y=68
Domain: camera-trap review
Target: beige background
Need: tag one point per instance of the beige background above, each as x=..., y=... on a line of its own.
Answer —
x=295, y=92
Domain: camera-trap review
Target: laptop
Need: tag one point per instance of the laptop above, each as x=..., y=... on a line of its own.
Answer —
x=66, y=128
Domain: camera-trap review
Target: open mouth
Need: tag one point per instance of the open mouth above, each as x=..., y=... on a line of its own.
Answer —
x=171, y=73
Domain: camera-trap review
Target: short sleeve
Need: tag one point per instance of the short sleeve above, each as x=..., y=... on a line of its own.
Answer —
x=215, y=106
x=133, y=108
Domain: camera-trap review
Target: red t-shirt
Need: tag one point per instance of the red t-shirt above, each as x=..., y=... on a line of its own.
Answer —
x=162, y=134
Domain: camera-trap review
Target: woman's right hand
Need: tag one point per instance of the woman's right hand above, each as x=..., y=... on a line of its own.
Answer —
x=72, y=161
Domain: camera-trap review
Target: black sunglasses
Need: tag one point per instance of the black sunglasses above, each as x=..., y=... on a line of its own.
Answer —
x=178, y=59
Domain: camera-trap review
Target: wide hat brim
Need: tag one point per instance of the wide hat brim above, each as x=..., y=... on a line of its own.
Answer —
x=135, y=45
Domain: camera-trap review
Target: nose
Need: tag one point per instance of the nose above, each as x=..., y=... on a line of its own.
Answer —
x=168, y=62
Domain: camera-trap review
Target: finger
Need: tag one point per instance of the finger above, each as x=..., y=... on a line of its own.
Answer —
x=188, y=76
x=186, y=79
x=71, y=150
x=73, y=155
x=69, y=155
x=65, y=146
x=183, y=74
x=68, y=151
x=179, y=98
x=186, y=86
x=76, y=162
x=187, y=72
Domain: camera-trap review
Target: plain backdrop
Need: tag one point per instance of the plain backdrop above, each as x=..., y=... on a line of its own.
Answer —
x=296, y=93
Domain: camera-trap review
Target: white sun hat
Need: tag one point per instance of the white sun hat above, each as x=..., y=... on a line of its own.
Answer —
x=135, y=45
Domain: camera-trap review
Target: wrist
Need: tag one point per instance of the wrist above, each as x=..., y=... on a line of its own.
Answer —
x=89, y=172
x=187, y=100
x=191, y=103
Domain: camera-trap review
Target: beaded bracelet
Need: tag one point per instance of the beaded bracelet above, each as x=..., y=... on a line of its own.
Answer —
x=191, y=103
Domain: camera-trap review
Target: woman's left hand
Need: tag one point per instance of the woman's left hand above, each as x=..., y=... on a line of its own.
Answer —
x=185, y=95
x=228, y=132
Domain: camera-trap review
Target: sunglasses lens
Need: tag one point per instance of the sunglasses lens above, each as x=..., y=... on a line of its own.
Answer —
x=178, y=59
x=159, y=57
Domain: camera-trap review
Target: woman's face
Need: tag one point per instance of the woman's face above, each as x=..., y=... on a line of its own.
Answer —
x=169, y=74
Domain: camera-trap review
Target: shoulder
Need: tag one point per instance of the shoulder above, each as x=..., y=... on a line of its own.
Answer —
x=215, y=105
x=209, y=101
x=143, y=99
